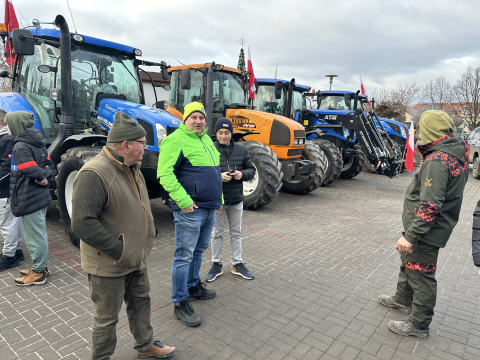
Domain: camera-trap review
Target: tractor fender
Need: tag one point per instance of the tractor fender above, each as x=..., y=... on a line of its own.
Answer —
x=13, y=101
x=76, y=141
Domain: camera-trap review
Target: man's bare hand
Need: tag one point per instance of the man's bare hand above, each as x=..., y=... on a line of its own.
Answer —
x=403, y=246
x=237, y=175
x=226, y=177
x=191, y=208
x=221, y=206
x=42, y=182
x=479, y=271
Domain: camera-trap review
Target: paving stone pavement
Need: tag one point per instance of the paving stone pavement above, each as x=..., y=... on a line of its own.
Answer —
x=320, y=262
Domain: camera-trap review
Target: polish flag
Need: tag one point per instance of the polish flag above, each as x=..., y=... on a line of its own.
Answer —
x=12, y=23
x=251, y=78
x=362, y=89
x=409, y=158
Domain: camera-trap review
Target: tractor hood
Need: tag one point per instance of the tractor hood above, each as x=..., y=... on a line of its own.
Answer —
x=157, y=123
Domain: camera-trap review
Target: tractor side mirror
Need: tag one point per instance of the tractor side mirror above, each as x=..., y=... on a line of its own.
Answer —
x=185, y=79
x=164, y=68
x=319, y=98
x=4, y=74
x=278, y=89
x=23, y=42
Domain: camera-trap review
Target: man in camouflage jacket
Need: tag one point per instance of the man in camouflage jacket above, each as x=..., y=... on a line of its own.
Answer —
x=430, y=212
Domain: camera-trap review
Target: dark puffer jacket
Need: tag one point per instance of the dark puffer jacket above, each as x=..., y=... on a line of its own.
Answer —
x=30, y=162
x=6, y=147
x=476, y=235
x=237, y=158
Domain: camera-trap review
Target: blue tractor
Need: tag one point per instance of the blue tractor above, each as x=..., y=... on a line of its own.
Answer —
x=341, y=125
x=345, y=157
x=74, y=84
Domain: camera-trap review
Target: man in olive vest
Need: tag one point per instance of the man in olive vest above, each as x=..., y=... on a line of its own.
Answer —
x=111, y=214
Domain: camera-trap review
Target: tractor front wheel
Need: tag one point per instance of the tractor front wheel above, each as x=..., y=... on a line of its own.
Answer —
x=313, y=153
x=71, y=163
x=267, y=181
x=355, y=164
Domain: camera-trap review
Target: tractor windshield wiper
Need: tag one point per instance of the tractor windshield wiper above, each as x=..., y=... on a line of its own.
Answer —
x=118, y=58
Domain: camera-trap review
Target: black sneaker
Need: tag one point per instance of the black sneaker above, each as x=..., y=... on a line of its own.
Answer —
x=241, y=269
x=185, y=313
x=7, y=262
x=200, y=291
x=408, y=328
x=216, y=270
x=19, y=255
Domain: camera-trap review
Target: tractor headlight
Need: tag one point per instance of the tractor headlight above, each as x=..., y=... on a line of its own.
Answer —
x=402, y=130
x=295, y=141
x=298, y=141
x=346, y=132
x=161, y=133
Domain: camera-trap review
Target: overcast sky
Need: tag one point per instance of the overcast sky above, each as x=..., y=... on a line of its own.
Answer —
x=386, y=42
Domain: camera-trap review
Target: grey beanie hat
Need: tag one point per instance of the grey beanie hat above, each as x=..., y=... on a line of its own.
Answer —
x=124, y=128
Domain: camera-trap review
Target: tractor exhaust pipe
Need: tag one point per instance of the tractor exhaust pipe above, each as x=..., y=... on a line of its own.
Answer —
x=209, y=97
x=66, y=127
x=288, y=107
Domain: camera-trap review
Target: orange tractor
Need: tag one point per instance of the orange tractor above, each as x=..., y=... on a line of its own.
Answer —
x=275, y=143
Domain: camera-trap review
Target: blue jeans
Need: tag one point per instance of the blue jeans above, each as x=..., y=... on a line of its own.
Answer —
x=193, y=232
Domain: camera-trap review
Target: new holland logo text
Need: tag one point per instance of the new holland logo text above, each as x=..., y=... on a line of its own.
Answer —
x=330, y=117
x=242, y=122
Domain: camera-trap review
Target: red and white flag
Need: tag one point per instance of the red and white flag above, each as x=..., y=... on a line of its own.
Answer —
x=409, y=158
x=11, y=23
x=251, y=78
x=362, y=89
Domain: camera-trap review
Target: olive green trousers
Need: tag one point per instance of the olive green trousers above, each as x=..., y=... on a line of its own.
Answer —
x=417, y=286
x=108, y=295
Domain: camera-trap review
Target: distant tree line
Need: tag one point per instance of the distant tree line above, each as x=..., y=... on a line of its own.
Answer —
x=460, y=99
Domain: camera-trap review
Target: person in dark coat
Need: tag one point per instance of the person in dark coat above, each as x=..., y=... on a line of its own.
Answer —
x=430, y=212
x=476, y=237
x=236, y=167
x=10, y=226
x=31, y=171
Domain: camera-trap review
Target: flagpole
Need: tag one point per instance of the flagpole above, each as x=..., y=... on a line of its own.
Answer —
x=10, y=51
x=403, y=158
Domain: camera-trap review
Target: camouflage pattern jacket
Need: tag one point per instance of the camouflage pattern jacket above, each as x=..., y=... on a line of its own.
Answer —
x=434, y=197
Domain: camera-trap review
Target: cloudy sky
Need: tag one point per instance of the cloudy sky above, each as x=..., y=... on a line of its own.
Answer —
x=386, y=42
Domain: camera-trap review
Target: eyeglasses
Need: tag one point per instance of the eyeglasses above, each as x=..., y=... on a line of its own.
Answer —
x=141, y=142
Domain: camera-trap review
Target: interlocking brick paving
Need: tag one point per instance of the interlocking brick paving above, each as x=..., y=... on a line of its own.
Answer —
x=320, y=262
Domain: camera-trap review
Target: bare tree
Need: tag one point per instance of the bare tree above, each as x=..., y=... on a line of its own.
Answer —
x=393, y=103
x=438, y=92
x=467, y=93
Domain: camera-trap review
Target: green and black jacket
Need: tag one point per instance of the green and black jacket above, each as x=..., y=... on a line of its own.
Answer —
x=434, y=197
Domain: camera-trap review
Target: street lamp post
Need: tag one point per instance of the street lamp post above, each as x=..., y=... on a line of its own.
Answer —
x=331, y=79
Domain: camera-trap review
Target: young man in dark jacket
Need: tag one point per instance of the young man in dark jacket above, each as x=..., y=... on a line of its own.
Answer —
x=10, y=226
x=476, y=237
x=31, y=171
x=430, y=212
x=236, y=167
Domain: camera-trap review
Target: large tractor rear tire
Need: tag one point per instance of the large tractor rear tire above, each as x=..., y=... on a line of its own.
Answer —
x=313, y=153
x=355, y=165
x=334, y=159
x=71, y=163
x=266, y=184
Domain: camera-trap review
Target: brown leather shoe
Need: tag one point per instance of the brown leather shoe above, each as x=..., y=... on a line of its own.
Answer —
x=157, y=350
x=27, y=271
x=32, y=278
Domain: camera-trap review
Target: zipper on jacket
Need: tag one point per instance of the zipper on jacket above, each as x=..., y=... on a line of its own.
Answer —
x=213, y=161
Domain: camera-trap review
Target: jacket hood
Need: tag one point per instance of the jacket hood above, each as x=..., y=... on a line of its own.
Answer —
x=448, y=144
x=3, y=131
x=31, y=136
x=18, y=121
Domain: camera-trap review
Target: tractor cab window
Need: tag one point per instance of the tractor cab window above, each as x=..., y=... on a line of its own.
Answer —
x=333, y=102
x=227, y=89
x=179, y=97
x=265, y=100
x=94, y=71
x=298, y=102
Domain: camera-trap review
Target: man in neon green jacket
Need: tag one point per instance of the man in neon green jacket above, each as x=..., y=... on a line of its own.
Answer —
x=189, y=169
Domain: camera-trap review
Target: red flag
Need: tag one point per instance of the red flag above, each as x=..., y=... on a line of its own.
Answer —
x=251, y=78
x=12, y=23
x=409, y=158
x=362, y=88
